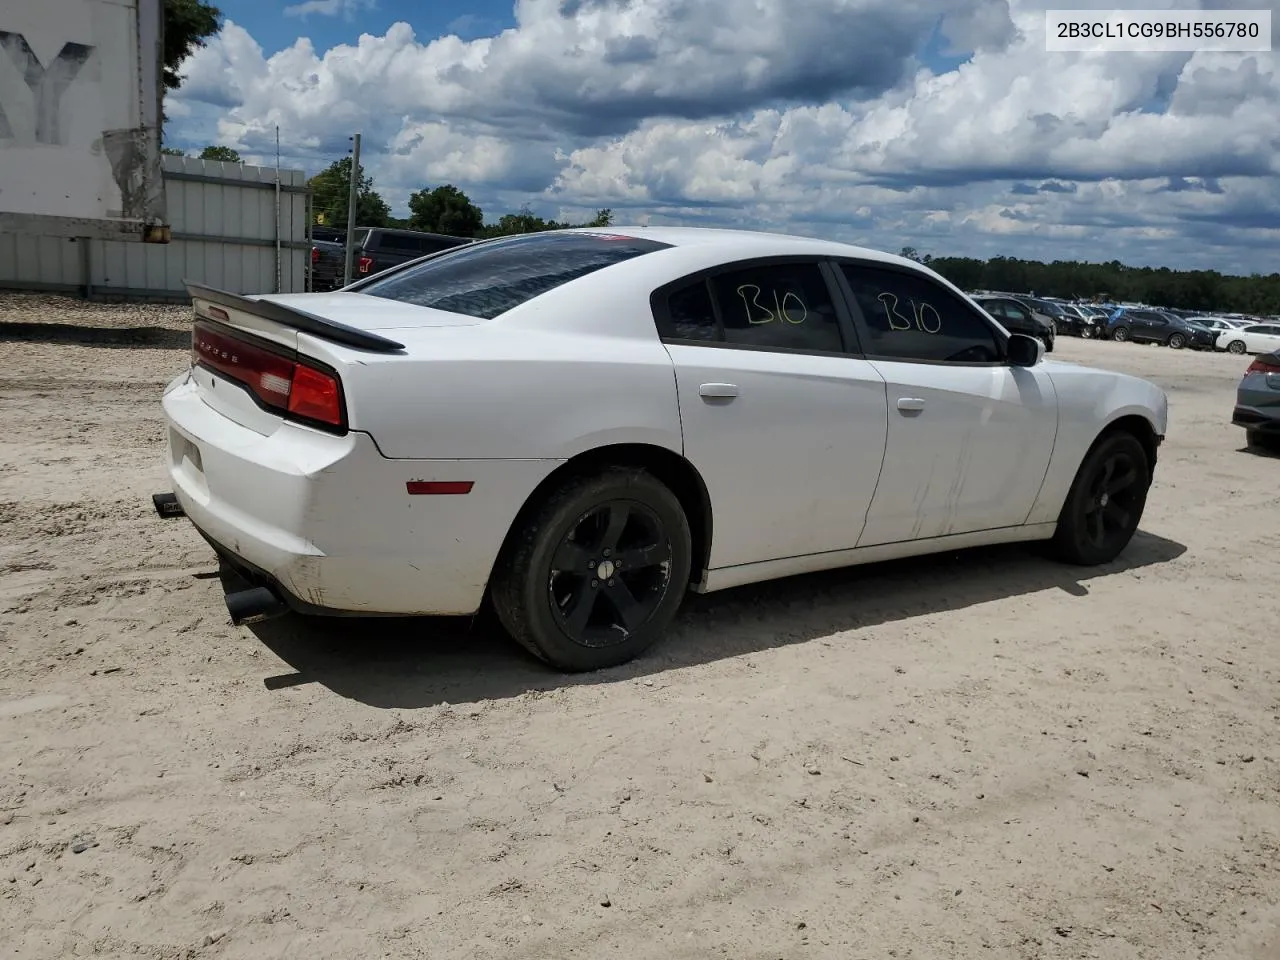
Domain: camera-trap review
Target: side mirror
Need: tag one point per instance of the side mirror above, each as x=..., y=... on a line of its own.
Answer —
x=1024, y=351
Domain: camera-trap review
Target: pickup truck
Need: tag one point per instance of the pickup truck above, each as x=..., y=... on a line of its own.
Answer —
x=328, y=260
x=378, y=248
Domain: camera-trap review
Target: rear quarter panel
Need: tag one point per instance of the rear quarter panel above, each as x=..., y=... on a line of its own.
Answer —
x=1088, y=401
x=491, y=392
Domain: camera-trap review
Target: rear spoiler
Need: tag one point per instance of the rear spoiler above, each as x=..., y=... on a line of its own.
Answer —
x=294, y=318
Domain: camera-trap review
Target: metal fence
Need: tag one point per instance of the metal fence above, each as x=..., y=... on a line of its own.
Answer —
x=232, y=229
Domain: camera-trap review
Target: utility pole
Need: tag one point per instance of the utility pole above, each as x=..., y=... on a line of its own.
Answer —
x=351, y=210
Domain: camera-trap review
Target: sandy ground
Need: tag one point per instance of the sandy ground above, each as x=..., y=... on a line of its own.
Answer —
x=978, y=755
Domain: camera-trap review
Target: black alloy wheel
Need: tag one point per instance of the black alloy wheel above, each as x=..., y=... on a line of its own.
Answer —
x=1105, y=504
x=596, y=573
x=610, y=573
x=1120, y=334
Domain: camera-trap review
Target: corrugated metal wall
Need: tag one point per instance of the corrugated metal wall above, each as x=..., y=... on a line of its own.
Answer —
x=223, y=217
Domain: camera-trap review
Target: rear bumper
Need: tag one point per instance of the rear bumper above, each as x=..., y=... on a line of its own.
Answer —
x=327, y=521
x=1257, y=421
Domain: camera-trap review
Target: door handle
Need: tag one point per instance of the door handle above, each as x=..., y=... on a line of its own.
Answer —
x=910, y=404
x=718, y=391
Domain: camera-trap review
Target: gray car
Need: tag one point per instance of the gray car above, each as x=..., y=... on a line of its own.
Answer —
x=1258, y=402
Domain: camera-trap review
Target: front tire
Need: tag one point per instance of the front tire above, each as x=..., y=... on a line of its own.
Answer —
x=1177, y=341
x=1236, y=347
x=1120, y=334
x=1105, y=503
x=595, y=574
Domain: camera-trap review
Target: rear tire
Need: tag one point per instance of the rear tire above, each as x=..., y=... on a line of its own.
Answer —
x=594, y=575
x=1120, y=334
x=1236, y=347
x=1105, y=503
x=1262, y=441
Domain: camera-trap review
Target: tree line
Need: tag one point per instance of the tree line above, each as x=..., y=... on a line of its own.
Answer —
x=1113, y=281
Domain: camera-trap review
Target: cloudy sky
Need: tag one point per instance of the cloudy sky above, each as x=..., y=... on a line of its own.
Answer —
x=939, y=124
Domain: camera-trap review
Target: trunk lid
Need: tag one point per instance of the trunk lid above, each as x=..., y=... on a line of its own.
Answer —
x=231, y=333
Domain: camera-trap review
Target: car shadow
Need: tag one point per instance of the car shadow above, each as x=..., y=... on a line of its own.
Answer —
x=421, y=662
x=133, y=338
x=1266, y=453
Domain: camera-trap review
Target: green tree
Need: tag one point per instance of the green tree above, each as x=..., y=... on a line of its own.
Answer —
x=331, y=195
x=218, y=152
x=447, y=210
x=526, y=222
x=172, y=152
x=188, y=24
x=1208, y=290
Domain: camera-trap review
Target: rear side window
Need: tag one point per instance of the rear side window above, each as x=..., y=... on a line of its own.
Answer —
x=772, y=306
x=488, y=279
x=782, y=306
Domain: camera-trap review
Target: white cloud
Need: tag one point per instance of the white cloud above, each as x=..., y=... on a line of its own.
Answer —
x=347, y=9
x=815, y=117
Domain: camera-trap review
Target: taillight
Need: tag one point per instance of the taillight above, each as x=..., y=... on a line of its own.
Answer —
x=279, y=380
x=366, y=264
x=1263, y=366
x=315, y=254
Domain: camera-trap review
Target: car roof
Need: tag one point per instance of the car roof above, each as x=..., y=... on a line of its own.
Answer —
x=748, y=243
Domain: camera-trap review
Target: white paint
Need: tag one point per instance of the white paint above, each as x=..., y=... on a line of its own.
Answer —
x=1257, y=337
x=808, y=459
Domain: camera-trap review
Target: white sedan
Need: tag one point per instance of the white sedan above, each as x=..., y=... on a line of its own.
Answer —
x=1253, y=338
x=576, y=427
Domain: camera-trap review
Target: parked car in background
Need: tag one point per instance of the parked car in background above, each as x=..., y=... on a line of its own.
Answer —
x=1258, y=402
x=1155, y=326
x=1080, y=321
x=1222, y=323
x=561, y=427
x=328, y=264
x=1255, y=338
x=378, y=248
x=1016, y=317
x=1046, y=310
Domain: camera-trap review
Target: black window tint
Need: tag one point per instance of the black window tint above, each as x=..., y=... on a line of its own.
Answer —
x=909, y=317
x=689, y=314
x=784, y=306
x=488, y=279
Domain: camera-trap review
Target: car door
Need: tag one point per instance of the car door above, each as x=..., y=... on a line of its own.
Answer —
x=969, y=435
x=1149, y=326
x=1021, y=319
x=785, y=425
x=1262, y=338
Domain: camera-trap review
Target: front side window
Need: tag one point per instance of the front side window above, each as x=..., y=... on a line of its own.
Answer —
x=488, y=279
x=909, y=317
x=783, y=306
x=1016, y=311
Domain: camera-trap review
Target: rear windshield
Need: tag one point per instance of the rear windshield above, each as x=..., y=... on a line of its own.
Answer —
x=489, y=279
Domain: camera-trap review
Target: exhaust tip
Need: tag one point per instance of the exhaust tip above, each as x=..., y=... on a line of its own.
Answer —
x=254, y=606
x=167, y=505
